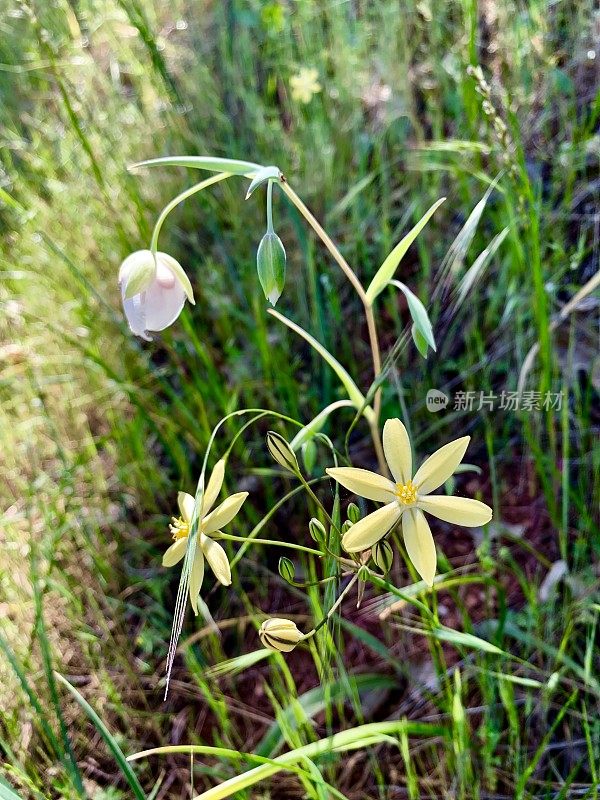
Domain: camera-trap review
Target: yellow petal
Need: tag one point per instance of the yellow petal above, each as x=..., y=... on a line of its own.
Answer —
x=175, y=553
x=186, y=504
x=224, y=513
x=217, y=559
x=364, y=483
x=438, y=467
x=364, y=533
x=459, y=510
x=215, y=482
x=396, y=446
x=196, y=577
x=419, y=544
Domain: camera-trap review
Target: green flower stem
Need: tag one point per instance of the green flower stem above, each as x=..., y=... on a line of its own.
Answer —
x=333, y=608
x=370, y=318
x=389, y=587
x=270, y=207
x=230, y=537
x=198, y=187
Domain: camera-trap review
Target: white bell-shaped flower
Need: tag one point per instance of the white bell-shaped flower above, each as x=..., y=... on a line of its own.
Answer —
x=161, y=300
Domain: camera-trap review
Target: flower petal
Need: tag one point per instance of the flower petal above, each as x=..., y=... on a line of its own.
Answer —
x=186, y=504
x=459, y=510
x=162, y=305
x=436, y=469
x=419, y=544
x=364, y=483
x=215, y=482
x=196, y=578
x=370, y=529
x=224, y=513
x=217, y=559
x=396, y=446
x=175, y=553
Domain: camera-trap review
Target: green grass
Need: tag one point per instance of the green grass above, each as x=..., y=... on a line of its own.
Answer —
x=99, y=432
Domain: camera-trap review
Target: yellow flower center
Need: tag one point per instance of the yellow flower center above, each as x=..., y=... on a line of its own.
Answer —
x=179, y=528
x=406, y=493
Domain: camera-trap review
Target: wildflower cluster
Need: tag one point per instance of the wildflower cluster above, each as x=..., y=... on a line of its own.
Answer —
x=154, y=289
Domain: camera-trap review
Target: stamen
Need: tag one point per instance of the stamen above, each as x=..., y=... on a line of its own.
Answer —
x=406, y=493
x=179, y=528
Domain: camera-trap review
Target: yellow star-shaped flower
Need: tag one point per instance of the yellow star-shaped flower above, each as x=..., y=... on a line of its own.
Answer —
x=208, y=523
x=408, y=496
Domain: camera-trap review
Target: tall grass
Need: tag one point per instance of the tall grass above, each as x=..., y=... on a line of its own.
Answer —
x=99, y=433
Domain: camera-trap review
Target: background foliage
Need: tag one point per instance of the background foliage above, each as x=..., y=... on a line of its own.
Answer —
x=99, y=432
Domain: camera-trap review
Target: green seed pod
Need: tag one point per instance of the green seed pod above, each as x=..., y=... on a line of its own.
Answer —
x=287, y=570
x=317, y=530
x=383, y=556
x=282, y=452
x=270, y=263
x=363, y=574
x=353, y=512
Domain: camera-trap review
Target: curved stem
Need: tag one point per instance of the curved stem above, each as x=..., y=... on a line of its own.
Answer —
x=371, y=327
x=198, y=187
x=230, y=537
x=333, y=608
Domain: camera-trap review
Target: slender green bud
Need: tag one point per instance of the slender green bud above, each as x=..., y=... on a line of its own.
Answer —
x=309, y=455
x=270, y=263
x=280, y=634
x=317, y=530
x=383, y=556
x=346, y=526
x=287, y=570
x=282, y=452
x=353, y=512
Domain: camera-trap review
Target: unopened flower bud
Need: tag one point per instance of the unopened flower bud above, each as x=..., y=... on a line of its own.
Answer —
x=282, y=452
x=346, y=526
x=317, y=530
x=353, y=512
x=287, y=570
x=309, y=455
x=383, y=556
x=280, y=634
x=270, y=263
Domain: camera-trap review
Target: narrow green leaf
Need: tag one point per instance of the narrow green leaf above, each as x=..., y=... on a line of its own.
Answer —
x=351, y=388
x=418, y=313
x=229, y=165
x=306, y=433
x=109, y=739
x=460, y=639
x=6, y=792
x=386, y=271
x=264, y=175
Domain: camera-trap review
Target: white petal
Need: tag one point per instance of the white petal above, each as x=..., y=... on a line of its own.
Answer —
x=217, y=559
x=175, y=553
x=224, y=513
x=419, y=544
x=215, y=482
x=364, y=533
x=438, y=467
x=186, y=504
x=459, y=510
x=364, y=483
x=396, y=446
x=133, y=308
x=196, y=578
x=162, y=306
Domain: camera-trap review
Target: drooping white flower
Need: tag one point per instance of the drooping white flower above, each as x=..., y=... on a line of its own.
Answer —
x=163, y=288
x=208, y=526
x=407, y=497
